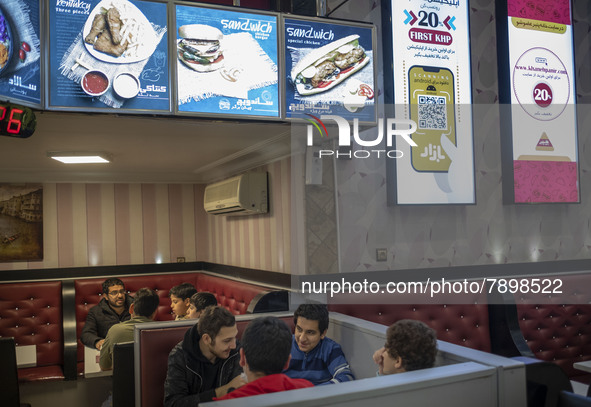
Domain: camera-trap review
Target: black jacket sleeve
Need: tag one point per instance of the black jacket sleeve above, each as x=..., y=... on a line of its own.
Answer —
x=89, y=335
x=181, y=384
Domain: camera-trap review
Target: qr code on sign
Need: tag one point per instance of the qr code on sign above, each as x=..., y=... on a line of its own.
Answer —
x=432, y=112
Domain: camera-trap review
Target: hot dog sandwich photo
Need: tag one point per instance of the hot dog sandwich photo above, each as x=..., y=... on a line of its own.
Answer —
x=325, y=67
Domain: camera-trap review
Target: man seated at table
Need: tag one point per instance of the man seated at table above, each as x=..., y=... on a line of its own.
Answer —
x=264, y=353
x=143, y=309
x=200, y=301
x=180, y=299
x=205, y=364
x=315, y=357
x=410, y=345
x=112, y=309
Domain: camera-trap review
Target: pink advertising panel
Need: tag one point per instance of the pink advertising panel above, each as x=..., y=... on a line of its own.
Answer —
x=542, y=101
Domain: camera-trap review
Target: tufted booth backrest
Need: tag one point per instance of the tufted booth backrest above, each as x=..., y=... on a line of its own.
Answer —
x=236, y=296
x=557, y=326
x=463, y=324
x=31, y=312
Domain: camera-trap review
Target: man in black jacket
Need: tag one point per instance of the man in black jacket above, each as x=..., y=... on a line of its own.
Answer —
x=206, y=363
x=112, y=309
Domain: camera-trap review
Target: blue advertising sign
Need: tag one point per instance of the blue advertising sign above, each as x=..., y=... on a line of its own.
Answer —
x=20, y=51
x=226, y=62
x=109, y=54
x=329, y=69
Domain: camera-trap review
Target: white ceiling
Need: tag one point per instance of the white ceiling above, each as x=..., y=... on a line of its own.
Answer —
x=144, y=149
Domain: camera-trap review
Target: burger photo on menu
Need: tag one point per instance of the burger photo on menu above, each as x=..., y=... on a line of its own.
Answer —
x=200, y=47
x=326, y=67
x=226, y=61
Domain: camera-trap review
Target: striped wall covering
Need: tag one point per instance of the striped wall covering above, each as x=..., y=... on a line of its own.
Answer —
x=261, y=241
x=119, y=224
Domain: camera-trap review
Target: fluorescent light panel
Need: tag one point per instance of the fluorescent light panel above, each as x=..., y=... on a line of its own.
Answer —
x=79, y=157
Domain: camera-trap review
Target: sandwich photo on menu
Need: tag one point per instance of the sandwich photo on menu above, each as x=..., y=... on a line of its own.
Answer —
x=325, y=67
x=200, y=48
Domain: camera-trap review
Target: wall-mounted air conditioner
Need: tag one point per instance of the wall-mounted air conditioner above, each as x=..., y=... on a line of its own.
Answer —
x=245, y=194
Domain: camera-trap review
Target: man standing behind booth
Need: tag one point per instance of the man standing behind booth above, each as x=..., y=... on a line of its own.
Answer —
x=112, y=309
x=315, y=357
x=264, y=353
x=410, y=345
x=205, y=364
x=143, y=309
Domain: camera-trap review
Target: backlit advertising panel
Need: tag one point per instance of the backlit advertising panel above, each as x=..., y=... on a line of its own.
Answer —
x=226, y=62
x=108, y=55
x=432, y=87
x=329, y=69
x=20, y=52
x=543, y=133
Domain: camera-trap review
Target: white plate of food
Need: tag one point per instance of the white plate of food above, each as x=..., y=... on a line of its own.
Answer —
x=118, y=32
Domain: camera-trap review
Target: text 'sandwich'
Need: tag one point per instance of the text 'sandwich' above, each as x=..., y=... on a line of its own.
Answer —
x=329, y=65
x=199, y=47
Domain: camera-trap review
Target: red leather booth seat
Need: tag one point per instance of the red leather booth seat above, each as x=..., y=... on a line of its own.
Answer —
x=155, y=345
x=31, y=312
x=236, y=296
x=463, y=324
x=557, y=326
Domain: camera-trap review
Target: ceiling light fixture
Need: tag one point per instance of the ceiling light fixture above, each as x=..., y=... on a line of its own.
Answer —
x=76, y=157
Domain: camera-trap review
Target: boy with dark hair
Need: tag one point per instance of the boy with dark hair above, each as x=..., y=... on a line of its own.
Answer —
x=111, y=309
x=264, y=353
x=180, y=299
x=205, y=364
x=314, y=356
x=200, y=301
x=410, y=345
x=143, y=309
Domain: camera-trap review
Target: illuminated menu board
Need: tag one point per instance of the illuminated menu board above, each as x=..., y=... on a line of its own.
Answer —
x=432, y=87
x=20, y=52
x=109, y=54
x=329, y=69
x=542, y=138
x=226, y=62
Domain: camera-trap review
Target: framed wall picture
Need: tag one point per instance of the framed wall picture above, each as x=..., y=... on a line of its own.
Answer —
x=21, y=222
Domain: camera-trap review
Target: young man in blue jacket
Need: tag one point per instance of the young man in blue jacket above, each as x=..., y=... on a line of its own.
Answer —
x=315, y=357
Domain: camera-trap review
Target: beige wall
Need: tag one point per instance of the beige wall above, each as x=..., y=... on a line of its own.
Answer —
x=120, y=224
x=262, y=241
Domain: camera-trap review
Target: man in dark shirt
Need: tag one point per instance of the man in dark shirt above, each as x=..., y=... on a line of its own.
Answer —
x=112, y=309
x=206, y=363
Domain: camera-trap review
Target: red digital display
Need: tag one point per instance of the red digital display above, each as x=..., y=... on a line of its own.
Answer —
x=16, y=121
